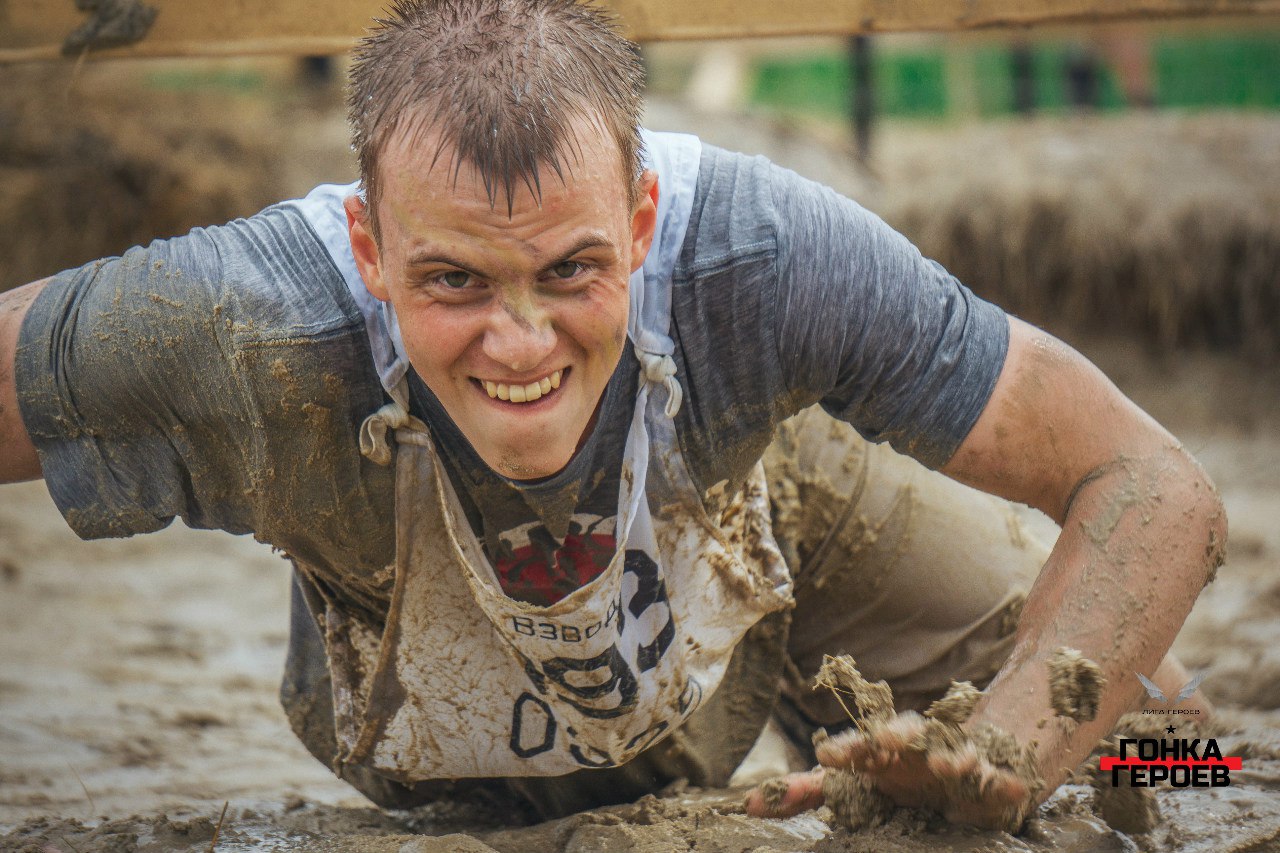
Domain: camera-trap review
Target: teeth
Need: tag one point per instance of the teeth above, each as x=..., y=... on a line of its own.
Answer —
x=523, y=393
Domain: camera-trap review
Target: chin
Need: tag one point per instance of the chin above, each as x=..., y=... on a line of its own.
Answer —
x=524, y=466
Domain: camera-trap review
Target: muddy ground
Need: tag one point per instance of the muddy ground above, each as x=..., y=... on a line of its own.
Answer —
x=138, y=677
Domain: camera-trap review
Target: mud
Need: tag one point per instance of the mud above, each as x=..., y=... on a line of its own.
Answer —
x=1075, y=685
x=866, y=702
x=956, y=705
x=1124, y=808
x=773, y=792
x=71, y=148
x=853, y=798
x=452, y=843
x=854, y=801
x=138, y=678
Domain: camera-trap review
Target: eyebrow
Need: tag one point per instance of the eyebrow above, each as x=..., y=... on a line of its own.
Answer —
x=431, y=256
x=589, y=241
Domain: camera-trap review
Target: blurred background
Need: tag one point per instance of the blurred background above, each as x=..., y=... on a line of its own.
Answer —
x=1119, y=177
x=1117, y=184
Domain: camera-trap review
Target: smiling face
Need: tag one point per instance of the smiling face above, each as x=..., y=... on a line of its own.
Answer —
x=515, y=322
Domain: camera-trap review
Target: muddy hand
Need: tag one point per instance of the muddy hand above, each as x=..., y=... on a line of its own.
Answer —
x=790, y=795
x=960, y=784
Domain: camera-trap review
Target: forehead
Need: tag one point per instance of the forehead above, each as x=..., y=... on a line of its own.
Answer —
x=418, y=162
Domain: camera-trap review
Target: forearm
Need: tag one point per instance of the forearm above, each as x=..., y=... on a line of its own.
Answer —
x=1141, y=537
x=18, y=459
x=1143, y=530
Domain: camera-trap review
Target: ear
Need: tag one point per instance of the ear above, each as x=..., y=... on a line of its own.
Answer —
x=364, y=246
x=644, y=219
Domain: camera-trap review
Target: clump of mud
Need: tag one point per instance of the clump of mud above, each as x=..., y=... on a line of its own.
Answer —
x=773, y=792
x=1075, y=685
x=873, y=701
x=956, y=705
x=854, y=799
x=455, y=843
x=1124, y=808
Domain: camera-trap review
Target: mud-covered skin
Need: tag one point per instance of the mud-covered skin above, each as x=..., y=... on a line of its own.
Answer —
x=981, y=773
x=855, y=803
x=956, y=705
x=1075, y=684
x=773, y=792
x=18, y=459
x=980, y=776
x=1142, y=529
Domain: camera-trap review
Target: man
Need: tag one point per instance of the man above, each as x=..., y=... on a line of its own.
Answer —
x=504, y=411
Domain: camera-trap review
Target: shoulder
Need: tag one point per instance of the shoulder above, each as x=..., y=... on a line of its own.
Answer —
x=256, y=280
x=733, y=217
x=746, y=206
x=233, y=353
x=724, y=316
x=269, y=277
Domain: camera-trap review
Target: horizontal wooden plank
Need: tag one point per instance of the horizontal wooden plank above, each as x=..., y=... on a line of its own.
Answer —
x=36, y=29
x=696, y=19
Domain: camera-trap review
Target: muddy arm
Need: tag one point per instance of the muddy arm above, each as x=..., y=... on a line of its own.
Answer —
x=1143, y=532
x=18, y=460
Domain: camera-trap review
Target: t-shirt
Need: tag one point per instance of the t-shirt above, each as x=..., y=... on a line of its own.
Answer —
x=222, y=377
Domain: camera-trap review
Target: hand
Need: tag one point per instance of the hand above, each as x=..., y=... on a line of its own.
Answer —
x=958, y=782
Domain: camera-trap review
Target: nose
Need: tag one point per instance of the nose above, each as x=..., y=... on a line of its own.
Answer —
x=520, y=336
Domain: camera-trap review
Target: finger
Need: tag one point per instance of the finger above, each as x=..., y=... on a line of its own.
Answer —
x=803, y=792
x=841, y=749
x=954, y=763
x=882, y=747
x=899, y=734
x=1005, y=786
x=877, y=760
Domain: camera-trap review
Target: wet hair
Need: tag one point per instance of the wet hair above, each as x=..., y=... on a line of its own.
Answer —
x=502, y=83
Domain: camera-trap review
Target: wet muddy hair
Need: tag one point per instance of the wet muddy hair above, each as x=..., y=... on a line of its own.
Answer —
x=502, y=82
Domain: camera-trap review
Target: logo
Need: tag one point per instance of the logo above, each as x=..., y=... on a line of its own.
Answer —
x=1157, y=694
x=1182, y=762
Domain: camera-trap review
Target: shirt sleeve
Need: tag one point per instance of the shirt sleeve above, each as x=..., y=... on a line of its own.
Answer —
x=880, y=336
x=199, y=377
x=124, y=391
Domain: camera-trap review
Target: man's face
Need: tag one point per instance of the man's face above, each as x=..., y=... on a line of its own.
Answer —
x=515, y=323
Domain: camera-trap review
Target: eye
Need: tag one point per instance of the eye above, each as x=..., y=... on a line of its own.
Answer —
x=455, y=278
x=566, y=269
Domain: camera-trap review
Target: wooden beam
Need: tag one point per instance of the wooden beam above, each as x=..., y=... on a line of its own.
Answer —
x=36, y=29
x=661, y=20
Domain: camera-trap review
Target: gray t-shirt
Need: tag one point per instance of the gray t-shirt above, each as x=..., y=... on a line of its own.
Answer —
x=222, y=377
